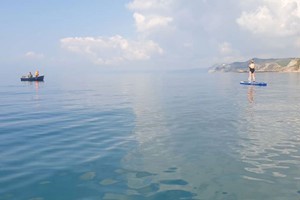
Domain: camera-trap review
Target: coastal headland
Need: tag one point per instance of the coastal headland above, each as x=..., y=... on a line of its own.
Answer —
x=262, y=65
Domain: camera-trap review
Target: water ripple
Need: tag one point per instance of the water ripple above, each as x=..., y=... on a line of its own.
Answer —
x=57, y=140
x=150, y=136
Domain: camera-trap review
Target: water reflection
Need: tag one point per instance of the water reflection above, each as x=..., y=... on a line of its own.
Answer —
x=270, y=139
x=175, y=157
x=151, y=138
x=37, y=85
x=251, y=94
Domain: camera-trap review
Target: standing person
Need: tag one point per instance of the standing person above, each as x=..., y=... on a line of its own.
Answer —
x=37, y=73
x=251, y=71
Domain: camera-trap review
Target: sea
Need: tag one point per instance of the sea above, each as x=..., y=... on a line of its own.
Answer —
x=150, y=136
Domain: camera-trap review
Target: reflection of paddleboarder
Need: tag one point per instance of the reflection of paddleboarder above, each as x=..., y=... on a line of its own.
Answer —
x=251, y=71
x=251, y=94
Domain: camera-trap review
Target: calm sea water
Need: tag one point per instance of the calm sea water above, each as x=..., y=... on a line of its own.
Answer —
x=150, y=136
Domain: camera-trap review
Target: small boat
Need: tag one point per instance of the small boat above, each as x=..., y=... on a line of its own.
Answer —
x=39, y=78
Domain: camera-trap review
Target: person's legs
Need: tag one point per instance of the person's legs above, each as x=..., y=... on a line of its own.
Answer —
x=253, y=76
x=249, y=78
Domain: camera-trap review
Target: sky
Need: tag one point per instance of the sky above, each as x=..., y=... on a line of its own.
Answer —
x=145, y=34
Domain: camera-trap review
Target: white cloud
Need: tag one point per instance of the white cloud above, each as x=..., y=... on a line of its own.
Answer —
x=34, y=56
x=273, y=18
x=148, y=23
x=143, y=5
x=225, y=48
x=189, y=33
x=190, y=30
x=117, y=49
x=152, y=16
x=228, y=53
x=112, y=50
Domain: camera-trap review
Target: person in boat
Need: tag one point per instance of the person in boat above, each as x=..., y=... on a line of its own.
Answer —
x=37, y=73
x=29, y=75
x=251, y=71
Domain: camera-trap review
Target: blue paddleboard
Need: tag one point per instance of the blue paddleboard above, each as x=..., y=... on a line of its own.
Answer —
x=253, y=83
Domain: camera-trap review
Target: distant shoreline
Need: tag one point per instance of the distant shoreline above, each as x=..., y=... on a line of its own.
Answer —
x=284, y=65
x=268, y=72
x=258, y=72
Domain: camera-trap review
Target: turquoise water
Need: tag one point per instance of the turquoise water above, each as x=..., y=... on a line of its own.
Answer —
x=150, y=136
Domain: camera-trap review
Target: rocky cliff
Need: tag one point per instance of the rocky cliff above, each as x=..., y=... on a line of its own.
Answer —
x=262, y=65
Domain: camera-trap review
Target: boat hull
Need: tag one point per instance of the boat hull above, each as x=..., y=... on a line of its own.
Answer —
x=39, y=78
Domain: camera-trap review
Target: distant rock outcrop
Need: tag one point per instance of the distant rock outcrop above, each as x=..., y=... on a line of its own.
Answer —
x=262, y=65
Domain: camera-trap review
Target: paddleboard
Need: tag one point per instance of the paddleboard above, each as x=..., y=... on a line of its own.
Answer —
x=253, y=83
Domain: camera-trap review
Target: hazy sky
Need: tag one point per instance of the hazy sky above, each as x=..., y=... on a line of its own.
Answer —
x=146, y=34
